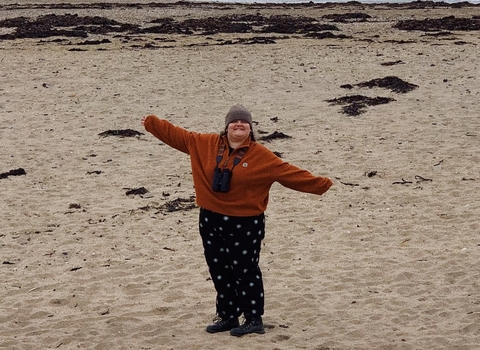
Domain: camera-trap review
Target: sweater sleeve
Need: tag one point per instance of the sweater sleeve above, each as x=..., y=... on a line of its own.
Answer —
x=297, y=179
x=302, y=180
x=172, y=135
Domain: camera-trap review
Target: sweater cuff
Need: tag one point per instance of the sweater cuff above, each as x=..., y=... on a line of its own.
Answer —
x=149, y=122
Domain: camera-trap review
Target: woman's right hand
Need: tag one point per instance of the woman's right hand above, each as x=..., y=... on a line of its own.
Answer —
x=144, y=119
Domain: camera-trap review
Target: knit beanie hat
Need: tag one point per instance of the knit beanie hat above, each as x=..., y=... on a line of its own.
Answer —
x=238, y=112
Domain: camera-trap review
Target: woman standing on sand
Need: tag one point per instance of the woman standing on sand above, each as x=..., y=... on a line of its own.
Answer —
x=232, y=175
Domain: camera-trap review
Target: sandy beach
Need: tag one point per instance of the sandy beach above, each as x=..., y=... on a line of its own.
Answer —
x=99, y=241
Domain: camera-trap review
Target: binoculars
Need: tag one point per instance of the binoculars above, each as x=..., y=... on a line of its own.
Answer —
x=221, y=180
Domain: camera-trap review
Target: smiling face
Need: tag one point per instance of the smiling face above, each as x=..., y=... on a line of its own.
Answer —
x=238, y=131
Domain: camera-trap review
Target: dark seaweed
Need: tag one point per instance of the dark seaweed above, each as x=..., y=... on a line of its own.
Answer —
x=121, y=133
x=14, y=172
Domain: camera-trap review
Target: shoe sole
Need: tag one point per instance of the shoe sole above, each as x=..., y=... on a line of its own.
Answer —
x=260, y=331
x=213, y=331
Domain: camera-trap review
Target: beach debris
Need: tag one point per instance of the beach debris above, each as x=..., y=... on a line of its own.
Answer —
x=349, y=184
x=348, y=17
x=75, y=26
x=72, y=25
x=421, y=179
x=438, y=34
x=327, y=35
x=74, y=206
x=418, y=179
x=275, y=135
x=259, y=40
x=392, y=63
x=403, y=182
x=121, y=133
x=95, y=42
x=371, y=173
x=356, y=104
x=392, y=83
x=281, y=24
x=439, y=24
x=287, y=24
x=179, y=204
x=14, y=172
x=48, y=26
x=249, y=41
x=94, y=221
x=136, y=191
x=400, y=41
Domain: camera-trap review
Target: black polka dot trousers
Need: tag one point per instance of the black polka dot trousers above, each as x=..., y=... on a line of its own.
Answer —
x=232, y=251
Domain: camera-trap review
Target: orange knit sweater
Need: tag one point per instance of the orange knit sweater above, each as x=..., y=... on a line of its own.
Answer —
x=251, y=179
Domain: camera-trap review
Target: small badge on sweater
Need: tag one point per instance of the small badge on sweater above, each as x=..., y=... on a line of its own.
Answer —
x=245, y=165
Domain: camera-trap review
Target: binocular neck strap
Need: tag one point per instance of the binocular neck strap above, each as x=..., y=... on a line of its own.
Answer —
x=237, y=159
x=221, y=149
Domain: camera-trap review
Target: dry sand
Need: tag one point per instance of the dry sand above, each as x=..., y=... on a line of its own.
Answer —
x=387, y=259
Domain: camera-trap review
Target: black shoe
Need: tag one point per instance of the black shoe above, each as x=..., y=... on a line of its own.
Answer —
x=221, y=325
x=253, y=325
